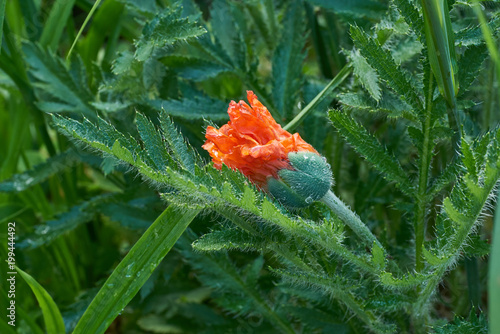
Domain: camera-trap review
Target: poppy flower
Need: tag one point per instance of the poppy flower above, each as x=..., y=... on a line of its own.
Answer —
x=253, y=143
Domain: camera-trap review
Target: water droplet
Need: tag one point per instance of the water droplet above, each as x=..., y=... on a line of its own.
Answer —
x=43, y=229
x=309, y=200
x=130, y=269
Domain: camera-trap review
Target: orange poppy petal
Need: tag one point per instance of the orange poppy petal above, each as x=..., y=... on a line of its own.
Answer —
x=252, y=142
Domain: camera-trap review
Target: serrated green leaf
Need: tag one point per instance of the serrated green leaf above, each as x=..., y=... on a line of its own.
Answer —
x=450, y=174
x=55, y=83
x=408, y=281
x=248, y=200
x=165, y=29
x=338, y=289
x=366, y=75
x=239, y=296
x=153, y=142
x=462, y=326
x=468, y=158
x=412, y=16
x=378, y=256
x=454, y=214
x=477, y=247
x=382, y=61
x=371, y=149
x=123, y=63
x=433, y=259
x=469, y=66
x=389, y=103
x=176, y=144
x=472, y=35
x=153, y=73
x=406, y=49
x=417, y=137
x=228, y=239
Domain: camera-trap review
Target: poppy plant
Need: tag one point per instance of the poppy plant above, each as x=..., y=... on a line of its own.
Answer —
x=273, y=159
x=282, y=164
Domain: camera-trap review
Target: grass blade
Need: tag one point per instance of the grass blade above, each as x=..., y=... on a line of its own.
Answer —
x=134, y=270
x=51, y=315
x=441, y=46
x=325, y=93
x=87, y=19
x=2, y=15
x=54, y=25
x=494, y=276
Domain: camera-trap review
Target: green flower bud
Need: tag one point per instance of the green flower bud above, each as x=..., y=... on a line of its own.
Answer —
x=310, y=179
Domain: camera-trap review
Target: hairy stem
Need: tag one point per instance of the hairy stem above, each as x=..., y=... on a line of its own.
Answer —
x=350, y=218
x=453, y=249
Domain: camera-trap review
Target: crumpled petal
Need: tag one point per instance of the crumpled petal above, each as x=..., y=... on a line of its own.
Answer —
x=252, y=142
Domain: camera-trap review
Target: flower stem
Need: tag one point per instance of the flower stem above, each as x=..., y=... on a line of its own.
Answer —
x=350, y=218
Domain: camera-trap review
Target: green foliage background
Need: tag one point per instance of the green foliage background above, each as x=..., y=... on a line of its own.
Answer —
x=124, y=226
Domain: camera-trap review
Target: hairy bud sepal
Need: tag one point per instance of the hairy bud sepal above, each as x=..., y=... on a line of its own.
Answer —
x=310, y=179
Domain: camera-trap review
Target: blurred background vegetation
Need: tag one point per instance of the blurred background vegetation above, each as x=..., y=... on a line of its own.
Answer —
x=78, y=213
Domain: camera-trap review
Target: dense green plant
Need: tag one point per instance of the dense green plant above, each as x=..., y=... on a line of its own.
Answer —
x=104, y=174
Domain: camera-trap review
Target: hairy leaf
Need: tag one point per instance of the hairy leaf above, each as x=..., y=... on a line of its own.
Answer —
x=228, y=239
x=470, y=65
x=59, y=88
x=371, y=149
x=366, y=75
x=389, y=103
x=382, y=61
x=167, y=28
